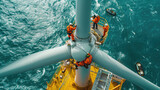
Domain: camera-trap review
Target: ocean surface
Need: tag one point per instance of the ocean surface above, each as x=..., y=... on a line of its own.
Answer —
x=29, y=26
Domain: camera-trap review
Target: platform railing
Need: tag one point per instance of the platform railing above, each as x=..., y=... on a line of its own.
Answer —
x=54, y=76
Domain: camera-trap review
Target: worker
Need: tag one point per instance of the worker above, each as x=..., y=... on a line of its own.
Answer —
x=105, y=28
x=88, y=60
x=95, y=20
x=70, y=29
x=85, y=62
x=79, y=63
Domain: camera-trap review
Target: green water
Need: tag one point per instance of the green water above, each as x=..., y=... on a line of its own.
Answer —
x=30, y=26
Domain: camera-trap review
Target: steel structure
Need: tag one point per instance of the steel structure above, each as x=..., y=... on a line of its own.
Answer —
x=85, y=43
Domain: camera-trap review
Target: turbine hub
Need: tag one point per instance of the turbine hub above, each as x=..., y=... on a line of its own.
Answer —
x=81, y=47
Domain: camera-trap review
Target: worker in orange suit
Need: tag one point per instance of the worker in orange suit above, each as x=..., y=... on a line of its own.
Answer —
x=85, y=62
x=70, y=29
x=80, y=63
x=105, y=28
x=95, y=20
x=88, y=60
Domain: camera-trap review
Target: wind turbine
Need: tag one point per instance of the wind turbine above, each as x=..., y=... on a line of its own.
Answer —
x=85, y=43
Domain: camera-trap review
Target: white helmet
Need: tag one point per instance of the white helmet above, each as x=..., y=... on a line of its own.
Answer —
x=106, y=24
x=70, y=23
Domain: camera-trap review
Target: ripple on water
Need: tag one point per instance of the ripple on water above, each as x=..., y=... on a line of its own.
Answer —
x=35, y=25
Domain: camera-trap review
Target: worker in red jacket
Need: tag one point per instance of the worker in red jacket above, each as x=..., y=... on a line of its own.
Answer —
x=85, y=62
x=70, y=29
x=105, y=28
x=95, y=20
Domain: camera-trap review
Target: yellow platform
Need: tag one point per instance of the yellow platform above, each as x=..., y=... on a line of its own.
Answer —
x=65, y=81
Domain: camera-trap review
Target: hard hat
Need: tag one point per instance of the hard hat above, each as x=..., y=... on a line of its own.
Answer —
x=68, y=63
x=106, y=24
x=138, y=64
x=70, y=23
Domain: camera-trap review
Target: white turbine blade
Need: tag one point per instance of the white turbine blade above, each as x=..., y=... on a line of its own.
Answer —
x=114, y=66
x=36, y=60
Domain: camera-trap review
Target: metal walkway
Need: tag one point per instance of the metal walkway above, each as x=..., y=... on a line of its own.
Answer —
x=103, y=80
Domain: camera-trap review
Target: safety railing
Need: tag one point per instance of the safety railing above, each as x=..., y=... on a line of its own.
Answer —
x=54, y=76
x=103, y=21
x=65, y=79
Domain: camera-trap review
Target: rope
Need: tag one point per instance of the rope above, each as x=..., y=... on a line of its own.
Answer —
x=83, y=50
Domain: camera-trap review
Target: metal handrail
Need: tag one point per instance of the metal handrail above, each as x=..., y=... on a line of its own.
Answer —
x=56, y=72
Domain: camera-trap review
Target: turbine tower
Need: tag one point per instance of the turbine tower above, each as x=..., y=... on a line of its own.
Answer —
x=85, y=43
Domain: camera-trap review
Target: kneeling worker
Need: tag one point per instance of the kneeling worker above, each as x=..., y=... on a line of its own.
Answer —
x=88, y=60
x=70, y=29
x=85, y=62
x=105, y=28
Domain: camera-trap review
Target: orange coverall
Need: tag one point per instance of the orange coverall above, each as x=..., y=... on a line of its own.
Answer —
x=70, y=29
x=87, y=61
x=96, y=19
x=106, y=28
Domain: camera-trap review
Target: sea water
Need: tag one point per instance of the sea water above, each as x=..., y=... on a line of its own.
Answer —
x=30, y=26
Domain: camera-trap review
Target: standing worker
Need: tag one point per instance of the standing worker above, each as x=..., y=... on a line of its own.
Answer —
x=95, y=20
x=70, y=29
x=105, y=28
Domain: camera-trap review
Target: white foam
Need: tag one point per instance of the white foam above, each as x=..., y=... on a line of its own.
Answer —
x=97, y=4
x=153, y=12
x=43, y=71
x=133, y=32
x=108, y=4
x=121, y=55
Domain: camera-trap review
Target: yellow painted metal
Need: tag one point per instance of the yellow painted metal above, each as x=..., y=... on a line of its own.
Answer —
x=67, y=80
x=116, y=86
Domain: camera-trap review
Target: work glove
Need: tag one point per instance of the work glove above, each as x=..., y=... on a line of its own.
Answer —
x=91, y=19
